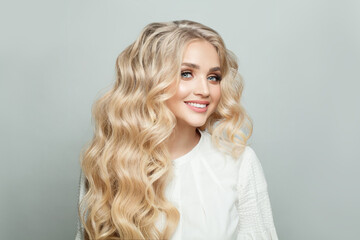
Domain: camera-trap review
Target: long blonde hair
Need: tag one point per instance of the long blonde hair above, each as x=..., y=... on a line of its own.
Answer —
x=127, y=165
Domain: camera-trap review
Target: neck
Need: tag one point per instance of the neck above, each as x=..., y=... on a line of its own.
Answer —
x=182, y=140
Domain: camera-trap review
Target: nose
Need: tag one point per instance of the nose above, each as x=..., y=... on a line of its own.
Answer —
x=202, y=87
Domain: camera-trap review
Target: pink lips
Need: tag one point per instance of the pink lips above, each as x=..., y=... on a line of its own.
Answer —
x=196, y=109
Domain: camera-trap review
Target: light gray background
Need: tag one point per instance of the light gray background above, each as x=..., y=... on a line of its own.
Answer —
x=300, y=61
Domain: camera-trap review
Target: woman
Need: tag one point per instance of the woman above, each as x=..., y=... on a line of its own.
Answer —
x=169, y=158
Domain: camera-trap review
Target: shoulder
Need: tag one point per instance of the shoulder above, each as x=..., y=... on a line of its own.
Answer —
x=248, y=154
x=251, y=171
x=249, y=158
x=247, y=166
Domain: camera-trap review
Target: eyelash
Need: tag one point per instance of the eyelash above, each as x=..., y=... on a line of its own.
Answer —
x=217, y=77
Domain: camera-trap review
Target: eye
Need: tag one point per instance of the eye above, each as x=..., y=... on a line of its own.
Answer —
x=215, y=78
x=186, y=74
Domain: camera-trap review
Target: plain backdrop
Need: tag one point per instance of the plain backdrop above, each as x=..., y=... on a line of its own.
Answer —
x=300, y=61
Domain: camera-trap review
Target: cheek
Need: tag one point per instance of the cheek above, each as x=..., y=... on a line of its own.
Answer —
x=182, y=91
x=175, y=91
x=179, y=96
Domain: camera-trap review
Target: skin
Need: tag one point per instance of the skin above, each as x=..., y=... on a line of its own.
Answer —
x=200, y=80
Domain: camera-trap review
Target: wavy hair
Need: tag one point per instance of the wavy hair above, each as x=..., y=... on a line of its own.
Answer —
x=127, y=164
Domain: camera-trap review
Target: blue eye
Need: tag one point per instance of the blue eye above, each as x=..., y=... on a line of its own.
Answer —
x=215, y=78
x=186, y=74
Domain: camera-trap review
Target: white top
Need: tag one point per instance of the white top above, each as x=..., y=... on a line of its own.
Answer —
x=218, y=197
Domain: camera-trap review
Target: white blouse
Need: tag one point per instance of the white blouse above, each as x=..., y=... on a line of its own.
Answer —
x=218, y=197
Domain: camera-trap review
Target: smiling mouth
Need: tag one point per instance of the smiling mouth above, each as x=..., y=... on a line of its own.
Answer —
x=200, y=106
x=197, y=105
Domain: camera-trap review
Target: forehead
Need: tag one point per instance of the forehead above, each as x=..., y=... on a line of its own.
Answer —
x=202, y=53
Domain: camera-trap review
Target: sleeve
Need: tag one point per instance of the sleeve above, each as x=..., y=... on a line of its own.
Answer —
x=254, y=209
x=80, y=227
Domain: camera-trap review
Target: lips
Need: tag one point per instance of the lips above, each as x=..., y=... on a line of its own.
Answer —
x=197, y=107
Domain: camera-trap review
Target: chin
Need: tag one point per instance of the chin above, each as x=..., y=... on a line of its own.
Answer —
x=196, y=123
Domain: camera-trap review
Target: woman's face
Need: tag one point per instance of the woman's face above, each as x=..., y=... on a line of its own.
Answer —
x=198, y=92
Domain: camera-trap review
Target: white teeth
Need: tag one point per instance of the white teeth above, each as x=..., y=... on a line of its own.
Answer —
x=197, y=105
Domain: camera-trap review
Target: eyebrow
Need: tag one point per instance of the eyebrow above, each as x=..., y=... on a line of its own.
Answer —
x=195, y=66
